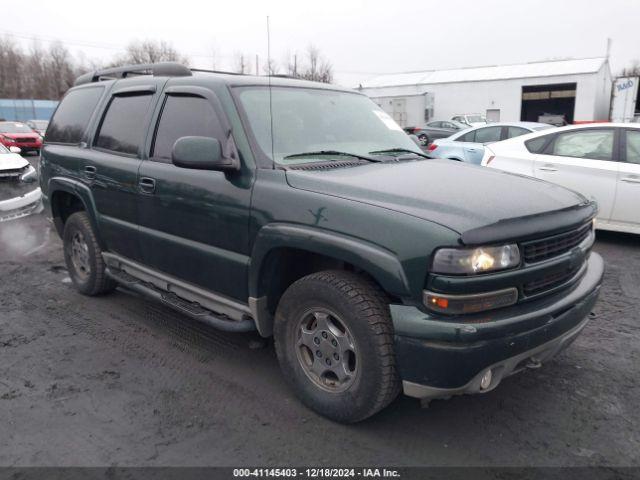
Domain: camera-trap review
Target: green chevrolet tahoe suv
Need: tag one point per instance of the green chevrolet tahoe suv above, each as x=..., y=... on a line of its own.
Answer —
x=303, y=211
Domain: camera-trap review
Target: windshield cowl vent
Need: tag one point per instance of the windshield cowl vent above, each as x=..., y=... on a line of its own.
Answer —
x=324, y=166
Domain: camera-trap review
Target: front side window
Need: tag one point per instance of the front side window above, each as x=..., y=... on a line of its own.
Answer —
x=593, y=144
x=313, y=120
x=488, y=135
x=633, y=146
x=72, y=116
x=435, y=124
x=123, y=125
x=183, y=116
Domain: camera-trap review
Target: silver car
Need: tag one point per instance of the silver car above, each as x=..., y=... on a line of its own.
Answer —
x=468, y=145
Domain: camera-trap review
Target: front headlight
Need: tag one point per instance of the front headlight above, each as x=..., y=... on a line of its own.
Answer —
x=469, y=261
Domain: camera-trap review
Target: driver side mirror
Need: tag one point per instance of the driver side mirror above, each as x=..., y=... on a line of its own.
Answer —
x=201, y=153
x=15, y=149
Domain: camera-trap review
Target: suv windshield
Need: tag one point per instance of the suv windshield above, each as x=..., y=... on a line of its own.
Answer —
x=316, y=120
x=10, y=127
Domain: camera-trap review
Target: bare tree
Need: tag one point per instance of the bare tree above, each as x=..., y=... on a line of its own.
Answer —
x=631, y=71
x=271, y=67
x=242, y=63
x=310, y=66
x=150, y=51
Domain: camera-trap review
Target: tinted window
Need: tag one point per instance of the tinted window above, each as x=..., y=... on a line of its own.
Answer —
x=633, y=146
x=73, y=114
x=123, y=125
x=535, y=145
x=467, y=137
x=594, y=144
x=184, y=116
x=489, y=134
x=516, y=132
x=434, y=124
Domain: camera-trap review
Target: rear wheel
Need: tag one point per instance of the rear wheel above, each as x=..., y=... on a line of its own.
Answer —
x=424, y=139
x=83, y=256
x=334, y=340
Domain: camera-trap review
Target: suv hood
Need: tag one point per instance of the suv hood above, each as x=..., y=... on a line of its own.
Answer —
x=11, y=161
x=456, y=195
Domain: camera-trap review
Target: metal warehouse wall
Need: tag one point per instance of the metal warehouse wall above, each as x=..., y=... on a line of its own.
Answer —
x=593, y=96
x=23, y=110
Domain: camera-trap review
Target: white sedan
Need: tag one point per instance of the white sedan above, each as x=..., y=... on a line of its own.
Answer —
x=19, y=191
x=601, y=161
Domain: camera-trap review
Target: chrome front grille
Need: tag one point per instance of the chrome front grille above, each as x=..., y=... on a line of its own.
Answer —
x=549, y=247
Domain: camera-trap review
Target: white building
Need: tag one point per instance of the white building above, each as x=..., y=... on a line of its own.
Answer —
x=578, y=89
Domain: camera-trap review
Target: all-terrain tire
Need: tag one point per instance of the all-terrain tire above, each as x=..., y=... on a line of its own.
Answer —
x=92, y=278
x=363, y=309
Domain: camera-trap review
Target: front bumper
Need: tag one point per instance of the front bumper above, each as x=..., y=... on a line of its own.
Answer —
x=21, y=206
x=437, y=358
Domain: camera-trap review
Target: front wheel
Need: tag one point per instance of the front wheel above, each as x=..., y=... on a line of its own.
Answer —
x=334, y=341
x=424, y=140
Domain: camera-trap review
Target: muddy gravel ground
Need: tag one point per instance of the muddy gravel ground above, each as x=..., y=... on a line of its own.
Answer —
x=119, y=380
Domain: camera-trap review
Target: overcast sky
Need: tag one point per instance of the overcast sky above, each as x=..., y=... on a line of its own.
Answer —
x=360, y=38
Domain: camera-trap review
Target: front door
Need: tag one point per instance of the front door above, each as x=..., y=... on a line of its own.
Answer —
x=584, y=161
x=626, y=208
x=194, y=224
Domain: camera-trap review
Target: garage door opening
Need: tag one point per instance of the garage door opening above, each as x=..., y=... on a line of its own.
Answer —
x=548, y=100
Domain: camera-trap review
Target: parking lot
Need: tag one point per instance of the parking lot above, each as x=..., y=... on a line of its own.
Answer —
x=120, y=380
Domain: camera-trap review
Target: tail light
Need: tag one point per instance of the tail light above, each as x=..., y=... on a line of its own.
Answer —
x=416, y=129
x=490, y=159
x=432, y=147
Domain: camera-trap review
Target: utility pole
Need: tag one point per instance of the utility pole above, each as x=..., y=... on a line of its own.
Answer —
x=257, y=71
x=295, y=64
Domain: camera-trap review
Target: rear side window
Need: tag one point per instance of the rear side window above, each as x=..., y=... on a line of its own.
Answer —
x=633, y=146
x=72, y=116
x=183, y=116
x=488, y=135
x=123, y=126
x=535, y=145
x=516, y=132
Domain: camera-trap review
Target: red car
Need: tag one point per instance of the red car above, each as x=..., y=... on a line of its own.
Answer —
x=16, y=134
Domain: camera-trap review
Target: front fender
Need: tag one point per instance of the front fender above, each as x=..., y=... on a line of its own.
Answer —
x=378, y=262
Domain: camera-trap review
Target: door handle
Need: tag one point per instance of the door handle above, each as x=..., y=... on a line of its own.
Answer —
x=548, y=168
x=630, y=179
x=147, y=185
x=90, y=172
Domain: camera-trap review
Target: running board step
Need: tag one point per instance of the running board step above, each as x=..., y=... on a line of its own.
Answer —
x=191, y=309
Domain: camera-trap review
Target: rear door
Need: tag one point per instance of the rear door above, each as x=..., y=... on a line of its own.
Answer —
x=584, y=161
x=111, y=165
x=626, y=209
x=473, y=152
x=194, y=224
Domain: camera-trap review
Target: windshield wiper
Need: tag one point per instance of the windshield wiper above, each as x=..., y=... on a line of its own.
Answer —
x=332, y=152
x=397, y=150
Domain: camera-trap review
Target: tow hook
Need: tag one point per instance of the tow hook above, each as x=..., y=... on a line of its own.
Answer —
x=533, y=363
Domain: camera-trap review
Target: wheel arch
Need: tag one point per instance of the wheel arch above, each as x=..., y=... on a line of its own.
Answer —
x=68, y=196
x=300, y=251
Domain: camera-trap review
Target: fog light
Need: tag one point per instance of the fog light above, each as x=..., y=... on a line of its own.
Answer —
x=472, y=303
x=485, y=381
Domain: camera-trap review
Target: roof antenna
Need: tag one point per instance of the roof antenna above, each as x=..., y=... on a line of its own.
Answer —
x=273, y=157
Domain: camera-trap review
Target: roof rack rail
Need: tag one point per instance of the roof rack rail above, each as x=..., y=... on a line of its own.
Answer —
x=163, y=69
x=204, y=70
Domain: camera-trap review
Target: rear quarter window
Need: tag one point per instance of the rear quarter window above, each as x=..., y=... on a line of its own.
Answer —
x=536, y=145
x=72, y=116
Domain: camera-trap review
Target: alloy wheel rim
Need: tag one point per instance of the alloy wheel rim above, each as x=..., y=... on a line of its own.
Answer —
x=326, y=350
x=79, y=253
